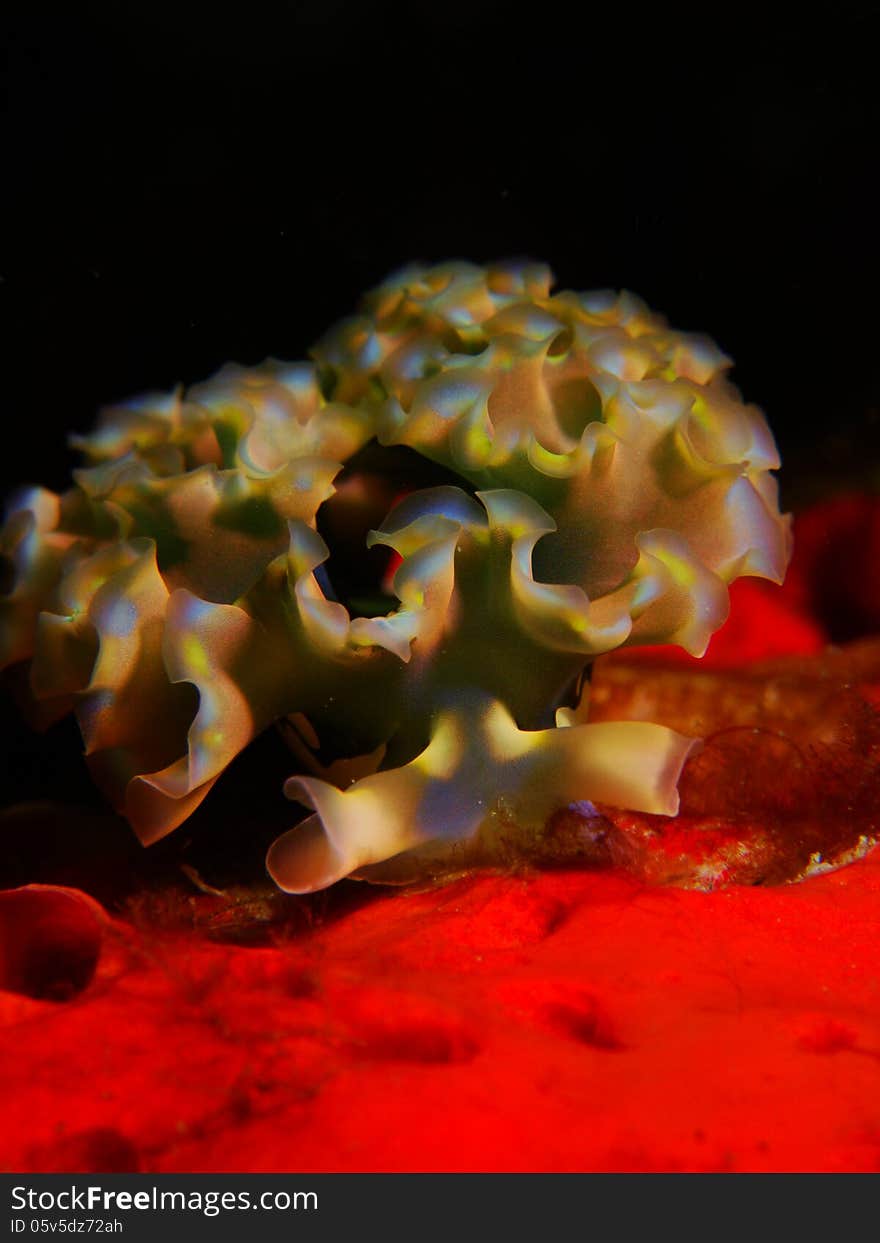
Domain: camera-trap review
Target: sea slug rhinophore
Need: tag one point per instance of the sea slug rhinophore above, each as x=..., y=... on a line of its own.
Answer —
x=548, y=477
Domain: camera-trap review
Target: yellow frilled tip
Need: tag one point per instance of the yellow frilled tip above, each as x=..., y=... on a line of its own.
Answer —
x=477, y=757
x=583, y=476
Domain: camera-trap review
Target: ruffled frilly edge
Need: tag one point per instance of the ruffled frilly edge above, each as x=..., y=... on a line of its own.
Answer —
x=622, y=484
x=477, y=760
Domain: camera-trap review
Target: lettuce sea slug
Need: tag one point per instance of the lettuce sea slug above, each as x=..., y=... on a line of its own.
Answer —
x=407, y=551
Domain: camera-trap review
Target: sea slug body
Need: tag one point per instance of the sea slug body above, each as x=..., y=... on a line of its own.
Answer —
x=552, y=475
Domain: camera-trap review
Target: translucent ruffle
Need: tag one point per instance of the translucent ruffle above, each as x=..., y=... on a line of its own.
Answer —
x=284, y=649
x=476, y=761
x=254, y=418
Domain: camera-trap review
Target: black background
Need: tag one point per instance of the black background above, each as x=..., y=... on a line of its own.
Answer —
x=199, y=184
x=196, y=184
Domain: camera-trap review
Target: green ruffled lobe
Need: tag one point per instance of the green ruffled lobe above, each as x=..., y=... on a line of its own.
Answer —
x=599, y=482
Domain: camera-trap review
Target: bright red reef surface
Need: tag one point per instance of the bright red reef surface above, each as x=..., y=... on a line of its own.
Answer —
x=649, y=1012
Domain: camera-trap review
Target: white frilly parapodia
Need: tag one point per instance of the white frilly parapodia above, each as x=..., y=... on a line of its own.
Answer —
x=612, y=483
